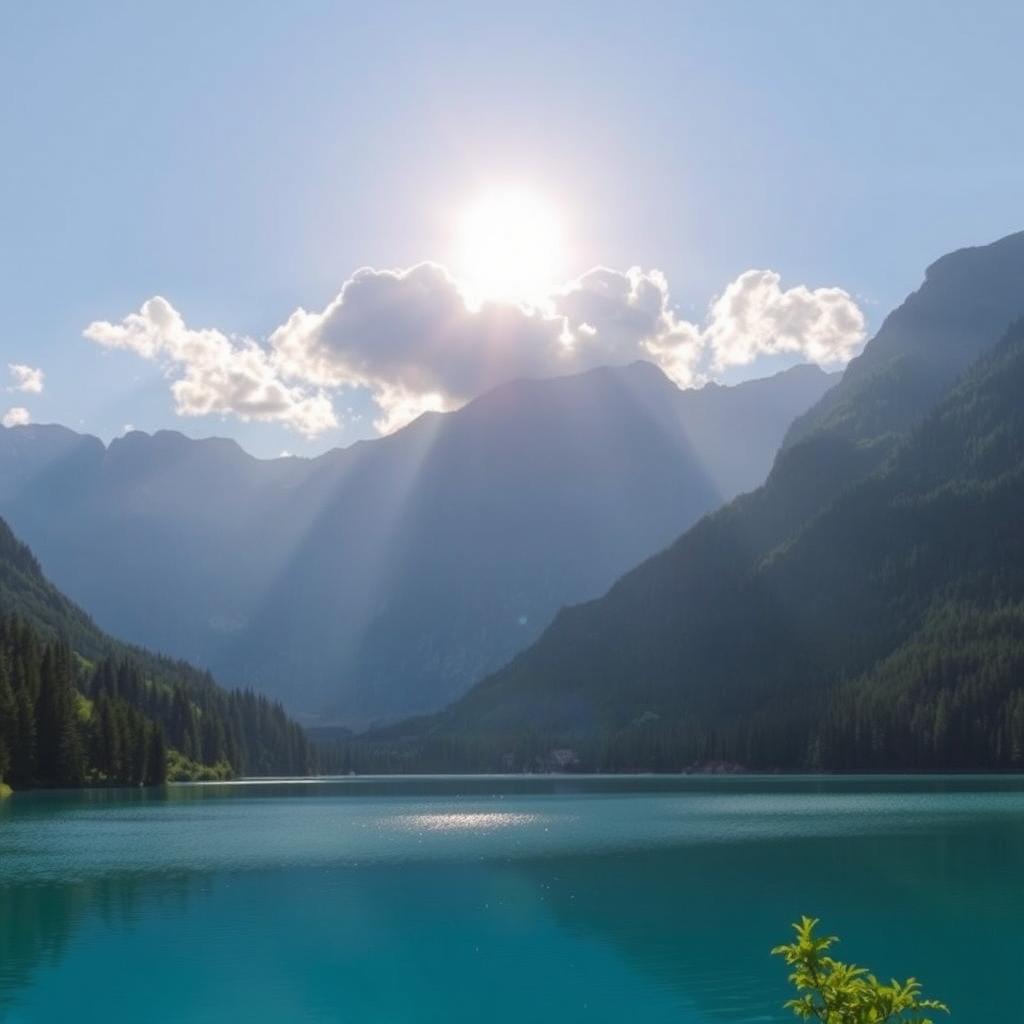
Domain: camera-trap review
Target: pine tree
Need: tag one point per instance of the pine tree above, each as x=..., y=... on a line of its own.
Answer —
x=8, y=719
x=140, y=751
x=47, y=739
x=156, y=761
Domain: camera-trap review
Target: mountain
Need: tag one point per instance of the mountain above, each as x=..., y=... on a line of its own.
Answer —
x=384, y=579
x=78, y=706
x=968, y=299
x=863, y=609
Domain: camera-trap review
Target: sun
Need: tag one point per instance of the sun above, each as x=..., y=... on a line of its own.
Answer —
x=510, y=247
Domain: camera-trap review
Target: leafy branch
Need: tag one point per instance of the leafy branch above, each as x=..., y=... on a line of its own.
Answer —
x=837, y=993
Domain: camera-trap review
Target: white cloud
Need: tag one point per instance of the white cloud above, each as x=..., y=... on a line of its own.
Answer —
x=413, y=340
x=411, y=337
x=16, y=417
x=212, y=373
x=400, y=406
x=614, y=317
x=754, y=316
x=26, y=378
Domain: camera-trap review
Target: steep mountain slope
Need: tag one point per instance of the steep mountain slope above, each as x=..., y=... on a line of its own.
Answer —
x=77, y=705
x=385, y=579
x=969, y=297
x=729, y=643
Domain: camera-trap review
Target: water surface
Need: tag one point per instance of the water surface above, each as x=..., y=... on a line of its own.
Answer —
x=500, y=899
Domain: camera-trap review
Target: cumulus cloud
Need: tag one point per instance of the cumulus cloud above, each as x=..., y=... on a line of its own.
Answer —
x=400, y=406
x=415, y=342
x=413, y=339
x=754, y=316
x=26, y=378
x=16, y=417
x=213, y=373
x=616, y=316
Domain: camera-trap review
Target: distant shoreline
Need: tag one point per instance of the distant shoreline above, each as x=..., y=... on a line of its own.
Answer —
x=270, y=780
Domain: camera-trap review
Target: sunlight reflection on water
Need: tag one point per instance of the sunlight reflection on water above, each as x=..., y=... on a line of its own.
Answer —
x=460, y=822
x=242, y=827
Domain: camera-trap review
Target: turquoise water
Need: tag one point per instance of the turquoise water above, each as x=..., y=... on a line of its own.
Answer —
x=501, y=899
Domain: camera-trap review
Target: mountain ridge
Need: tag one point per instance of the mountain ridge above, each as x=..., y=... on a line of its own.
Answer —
x=384, y=578
x=966, y=301
x=681, y=633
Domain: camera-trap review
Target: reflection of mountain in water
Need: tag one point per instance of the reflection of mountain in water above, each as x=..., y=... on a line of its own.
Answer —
x=38, y=923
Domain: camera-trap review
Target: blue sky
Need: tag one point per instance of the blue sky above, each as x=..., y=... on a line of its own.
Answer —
x=245, y=159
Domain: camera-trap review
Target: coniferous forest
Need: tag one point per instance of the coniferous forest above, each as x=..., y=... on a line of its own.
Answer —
x=78, y=708
x=65, y=722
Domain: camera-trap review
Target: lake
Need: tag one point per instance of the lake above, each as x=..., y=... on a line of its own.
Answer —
x=501, y=899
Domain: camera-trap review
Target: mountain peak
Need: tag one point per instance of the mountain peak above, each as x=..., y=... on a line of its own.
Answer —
x=967, y=301
x=138, y=451
x=991, y=256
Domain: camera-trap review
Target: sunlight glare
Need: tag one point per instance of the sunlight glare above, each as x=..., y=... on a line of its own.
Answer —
x=511, y=247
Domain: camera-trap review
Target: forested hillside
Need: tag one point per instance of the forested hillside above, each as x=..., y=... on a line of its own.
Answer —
x=863, y=610
x=77, y=707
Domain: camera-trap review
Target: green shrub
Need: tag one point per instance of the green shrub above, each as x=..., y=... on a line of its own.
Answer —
x=184, y=769
x=836, y=993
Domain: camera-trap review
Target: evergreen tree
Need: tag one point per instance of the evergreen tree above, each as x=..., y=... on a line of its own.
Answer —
x=57, y=725
x=140, y=751
x=156, y=760
x=50, y=736
x=8, y=719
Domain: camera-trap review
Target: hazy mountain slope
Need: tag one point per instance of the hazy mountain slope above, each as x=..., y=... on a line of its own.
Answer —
x=202, y=721
x=385, y=578
x=538, y=495
x=808, y=581
x=25, y=592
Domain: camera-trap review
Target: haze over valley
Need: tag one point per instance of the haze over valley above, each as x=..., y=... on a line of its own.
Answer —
x=384, y=579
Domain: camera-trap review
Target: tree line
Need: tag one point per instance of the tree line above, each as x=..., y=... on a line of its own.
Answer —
x=949, y=699
x=65, y=721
